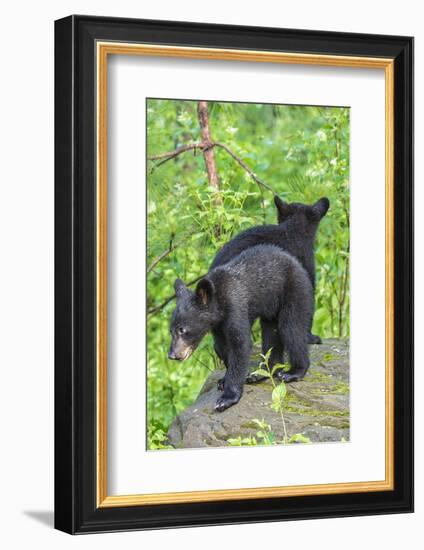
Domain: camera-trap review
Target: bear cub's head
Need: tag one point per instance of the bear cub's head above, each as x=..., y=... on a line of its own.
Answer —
x=303, y=217
x=194, y=315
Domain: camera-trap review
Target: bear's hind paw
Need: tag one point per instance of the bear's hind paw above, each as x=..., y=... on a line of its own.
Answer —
x=314, y=339
x=289, y=377
x=254, y=378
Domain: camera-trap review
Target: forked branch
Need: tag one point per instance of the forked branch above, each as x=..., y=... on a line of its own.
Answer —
x=152, y=311
x=209, y=145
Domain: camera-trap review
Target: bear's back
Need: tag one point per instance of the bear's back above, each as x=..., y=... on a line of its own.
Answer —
x=282, y=236
x=263, y=234
x=260, y=278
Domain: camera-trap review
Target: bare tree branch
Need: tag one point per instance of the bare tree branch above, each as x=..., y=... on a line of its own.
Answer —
x=172, y=154
x=152, y=311
x=163, y=255
x=210, y=145
x=245, y=167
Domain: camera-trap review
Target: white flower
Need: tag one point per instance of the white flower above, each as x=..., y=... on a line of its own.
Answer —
x=321, y=135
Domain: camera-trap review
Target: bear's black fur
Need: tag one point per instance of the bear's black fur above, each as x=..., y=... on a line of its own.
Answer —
x=261, y=282
x=295, y=234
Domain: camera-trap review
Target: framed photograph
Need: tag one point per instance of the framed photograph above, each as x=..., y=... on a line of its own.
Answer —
x=234, y=274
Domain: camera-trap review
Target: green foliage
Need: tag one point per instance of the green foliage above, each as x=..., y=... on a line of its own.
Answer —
x=278, y=395
x=156, y=439
x=299, y=438
x=242, y=441
x=265, y=436
x=279, y=391
x=302, y=152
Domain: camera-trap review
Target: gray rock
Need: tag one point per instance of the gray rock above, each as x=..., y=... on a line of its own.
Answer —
x=316, y=407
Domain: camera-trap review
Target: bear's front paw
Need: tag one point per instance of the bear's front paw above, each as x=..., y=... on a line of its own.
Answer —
x=221, y=384
x=225, y=402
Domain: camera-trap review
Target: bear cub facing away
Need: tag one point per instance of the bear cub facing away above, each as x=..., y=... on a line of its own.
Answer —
x=229, y=299
x=295, y=234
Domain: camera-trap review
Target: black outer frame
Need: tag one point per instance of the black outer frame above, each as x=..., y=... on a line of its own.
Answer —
x=75, y=274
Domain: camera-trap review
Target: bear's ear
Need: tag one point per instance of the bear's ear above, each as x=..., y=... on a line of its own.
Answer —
x=204, y=291
x=283, y=208
x=179, y=288
x=319, y=209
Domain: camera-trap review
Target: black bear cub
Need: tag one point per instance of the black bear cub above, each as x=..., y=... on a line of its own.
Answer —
x=262, y=282
x=295, y=234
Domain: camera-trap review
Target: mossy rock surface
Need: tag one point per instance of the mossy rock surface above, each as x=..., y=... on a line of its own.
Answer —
x=317, y=406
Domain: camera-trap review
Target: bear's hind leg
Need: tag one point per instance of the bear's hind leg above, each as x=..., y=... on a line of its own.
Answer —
x=295, y=341
x=270, y=339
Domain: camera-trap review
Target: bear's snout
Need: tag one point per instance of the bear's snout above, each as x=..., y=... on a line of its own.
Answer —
x=180, y=351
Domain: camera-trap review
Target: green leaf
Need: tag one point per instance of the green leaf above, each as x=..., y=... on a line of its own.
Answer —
x=276, y=406
x=267, y=355
x=260, y=372
x=271, y=437
x=279, y=393
x=299, y=438
x=261, y=424
x=279, y=366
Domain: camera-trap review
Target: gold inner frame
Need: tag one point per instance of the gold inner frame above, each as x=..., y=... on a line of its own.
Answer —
x=104, y=49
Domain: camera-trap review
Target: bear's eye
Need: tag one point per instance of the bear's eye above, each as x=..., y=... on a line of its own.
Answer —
x=181, y=330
